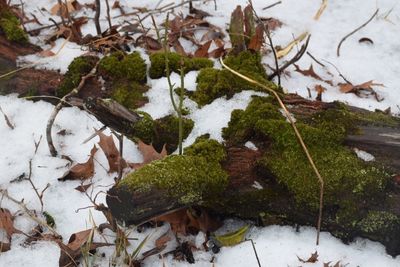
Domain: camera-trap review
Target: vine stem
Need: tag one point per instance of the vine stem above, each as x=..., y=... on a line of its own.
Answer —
x=299, y=137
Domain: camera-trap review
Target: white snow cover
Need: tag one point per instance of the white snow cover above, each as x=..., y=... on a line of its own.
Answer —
x=275, y=245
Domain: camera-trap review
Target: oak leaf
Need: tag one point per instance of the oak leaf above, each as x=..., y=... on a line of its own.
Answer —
x=311, y=73
x=202, y=51
x=81, y=171
x=149, y=154
x=361, y=90
x=7, y=224
x=114, y=159
x=312, y=259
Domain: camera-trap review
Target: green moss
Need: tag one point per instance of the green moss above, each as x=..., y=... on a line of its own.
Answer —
x=121, y=66
x=145, y=128
x=190, y=179
x=167, y=132
x=157, y=68
x=11, y=27
x=160, y=132
x=343, y=172
x=209, y=149
x=213, y=83
x=241, y=125
x=345, y=175
x=78, y=68
x=379, y=223
x=130, y=94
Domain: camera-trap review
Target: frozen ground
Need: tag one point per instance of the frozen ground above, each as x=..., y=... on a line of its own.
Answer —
x=276, y=246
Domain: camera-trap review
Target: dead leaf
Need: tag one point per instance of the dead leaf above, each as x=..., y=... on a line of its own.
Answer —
x=179, y=48
x=162, y=240
x=81, y=171
x=149, y=154
x=4, y=247
x=311, y=73
x=72, y=5
x=202, y=51
x=218, y=52
x=73, y=250
x=361, y=90
x=107, y=144
x=83, y=187
x=320, y=90
x=198, y=13
x=272, y=23
x=148, y=42
x=312, y=259
x=47, y=53
x=257, y=40
x=7, y=224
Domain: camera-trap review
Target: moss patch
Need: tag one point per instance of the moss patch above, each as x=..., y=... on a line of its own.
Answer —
x=162, y=131
x=78, y=68
x=12, y=28
x=190, y=179
x=209, y=149
x=213, y=83
x=157, y=68
x=129, y=94
x=380, y=223
x=118, y=65
x=345, y=175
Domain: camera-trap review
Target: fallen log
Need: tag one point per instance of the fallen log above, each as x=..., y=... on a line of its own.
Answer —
x=274, y=183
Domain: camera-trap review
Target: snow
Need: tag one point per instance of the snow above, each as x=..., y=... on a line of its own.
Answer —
x=364, y=155
x=275, y=245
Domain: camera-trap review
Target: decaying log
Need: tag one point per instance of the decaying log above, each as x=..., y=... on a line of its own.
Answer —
x=254, y=193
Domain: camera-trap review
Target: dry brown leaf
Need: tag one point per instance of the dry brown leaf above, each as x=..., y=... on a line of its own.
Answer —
x=257, y=40
x=272, y=23
x=72, y=6
x=177, y=219
x=312, y=259
x=7, y=224
x=179, y=48
x=320, y=90
x=81, y=171
x=107, y=144
x=82, y=188
x=149, y=155
x=148, y=42
x=47, y=53
x=311, y=73
x=361, y=90
x=73, y=250
x=218, y=52
x=202, y=51
x=162, y=241
x=4, y=247
x=198, y=13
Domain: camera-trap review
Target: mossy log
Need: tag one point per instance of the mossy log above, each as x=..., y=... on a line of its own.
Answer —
x=273, y=184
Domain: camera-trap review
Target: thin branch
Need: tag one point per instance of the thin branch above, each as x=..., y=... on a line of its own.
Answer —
x=8, y=122
x=356, y=30
x=268, y=33
x=97, y=17
x=255, y=251
x=108, y=15
x=316, y=60
x=299, y=137
x=272, y=5
x=296, y=58
x=59, y=106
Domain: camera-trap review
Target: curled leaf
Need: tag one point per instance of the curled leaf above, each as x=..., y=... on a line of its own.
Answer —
x=232, y=238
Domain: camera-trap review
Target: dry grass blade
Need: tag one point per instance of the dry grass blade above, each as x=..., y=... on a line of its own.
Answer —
x=299, y=137
x=9, y=124
x=283, y=52
x=321, y=9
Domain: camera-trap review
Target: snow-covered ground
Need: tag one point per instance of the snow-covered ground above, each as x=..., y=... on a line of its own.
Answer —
x=276, y=246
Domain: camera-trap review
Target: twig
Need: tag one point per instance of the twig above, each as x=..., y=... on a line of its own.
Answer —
x=299, y=137
x=96, y=132
x=338, y=71
x=255, y=251
x=268, y=33
x=356, y=30
x=61, y=13
x=317, y=61
x=29, y=212
x=59, y=106
x=272, y=5
x=8, y=122
x=97, y=17
x=296, y=58
x=108, y=15
x=72, y=26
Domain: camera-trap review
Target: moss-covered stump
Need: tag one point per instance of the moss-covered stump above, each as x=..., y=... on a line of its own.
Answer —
x=213, y=83
x=275, y=184
x=176, y=62
x=160, y=132
x=165, y=185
